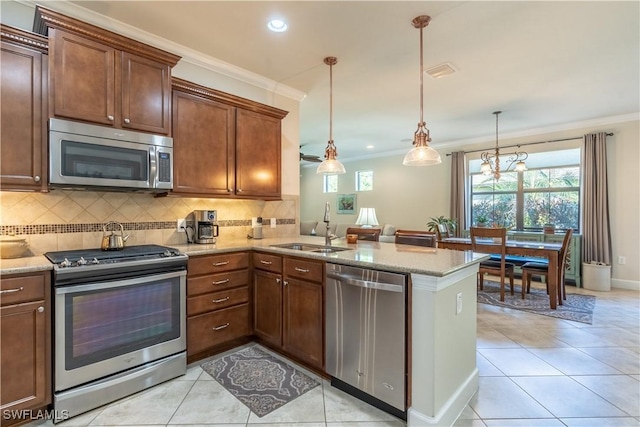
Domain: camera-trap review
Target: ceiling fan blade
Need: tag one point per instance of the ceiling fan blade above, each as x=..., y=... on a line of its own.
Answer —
x=310, y=158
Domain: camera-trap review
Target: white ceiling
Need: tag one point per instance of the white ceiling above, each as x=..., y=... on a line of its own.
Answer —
x=544, y=64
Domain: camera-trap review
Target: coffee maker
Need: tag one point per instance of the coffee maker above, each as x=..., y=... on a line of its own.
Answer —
x=201, y=227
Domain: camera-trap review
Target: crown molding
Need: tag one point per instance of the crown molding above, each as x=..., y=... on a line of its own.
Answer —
x=188, y=55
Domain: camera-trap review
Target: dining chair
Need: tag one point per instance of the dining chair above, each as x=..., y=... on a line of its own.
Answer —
x=493, y=241
x=365, y=233
x=530, y=269
x=416, y=238
x=443, y=231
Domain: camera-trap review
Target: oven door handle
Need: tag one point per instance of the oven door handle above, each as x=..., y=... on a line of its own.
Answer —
x=117, y=283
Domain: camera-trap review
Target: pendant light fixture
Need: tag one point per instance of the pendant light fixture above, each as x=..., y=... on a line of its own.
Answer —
x=421, y=154
x=491, y=161
x=330, y=165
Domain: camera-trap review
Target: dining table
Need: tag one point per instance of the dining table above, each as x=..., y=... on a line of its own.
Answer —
x=550, y=251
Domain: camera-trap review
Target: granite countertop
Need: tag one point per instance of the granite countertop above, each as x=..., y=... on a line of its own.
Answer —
x=379, y=255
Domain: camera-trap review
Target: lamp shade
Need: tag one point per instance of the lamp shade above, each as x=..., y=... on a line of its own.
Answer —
x=367, y=217
x=422, y=156
x=330, y=167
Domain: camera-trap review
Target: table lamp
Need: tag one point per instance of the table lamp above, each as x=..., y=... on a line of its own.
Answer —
x=367, y=218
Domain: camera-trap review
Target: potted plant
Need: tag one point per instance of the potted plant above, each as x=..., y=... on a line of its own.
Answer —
x=481, y=221
x=449, y=222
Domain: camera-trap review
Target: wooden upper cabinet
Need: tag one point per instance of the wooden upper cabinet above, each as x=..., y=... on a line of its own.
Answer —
x=203, y=146
x=258, y=160
x=224, y=145
x=23, y=111
x=83, y=79
x=102, y=77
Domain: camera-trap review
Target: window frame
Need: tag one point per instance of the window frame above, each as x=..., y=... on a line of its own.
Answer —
x=325, y=183
x=358, y=180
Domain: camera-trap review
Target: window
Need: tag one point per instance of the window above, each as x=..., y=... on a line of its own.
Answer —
x=364, y=180
x=330, y=183
x=528, y=200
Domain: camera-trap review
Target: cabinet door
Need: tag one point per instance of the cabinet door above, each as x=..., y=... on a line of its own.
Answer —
x=83, y=78
x=203, y=147
x=258, y=140
x=146, y=94
x=22, y=140
x=303, y=320
x=267, y=306
x=23, y=357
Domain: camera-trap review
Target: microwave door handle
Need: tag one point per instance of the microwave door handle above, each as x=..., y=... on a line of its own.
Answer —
x=153, y=167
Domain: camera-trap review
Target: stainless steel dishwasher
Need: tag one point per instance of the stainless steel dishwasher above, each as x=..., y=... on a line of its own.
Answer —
x=365, y=335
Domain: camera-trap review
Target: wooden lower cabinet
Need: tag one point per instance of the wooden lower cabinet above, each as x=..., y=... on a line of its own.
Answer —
x=218, y=302
x=289, y=307
x=25, y=339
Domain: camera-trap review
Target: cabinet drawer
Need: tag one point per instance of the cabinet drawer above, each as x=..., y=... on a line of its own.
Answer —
x=208, y=330
x=217, y=300
x=303, y=269
x=267, y=262
x=217, y=263
x=216, y=282
x=15, y=290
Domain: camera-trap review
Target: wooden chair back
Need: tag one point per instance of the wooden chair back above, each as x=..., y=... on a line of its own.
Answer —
x=564, y=255
x=489, y=240
x=416, y=237
x=443, y=232
x=365, y=233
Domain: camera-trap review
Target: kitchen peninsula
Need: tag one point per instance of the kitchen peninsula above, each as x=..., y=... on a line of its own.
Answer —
x=441, y=311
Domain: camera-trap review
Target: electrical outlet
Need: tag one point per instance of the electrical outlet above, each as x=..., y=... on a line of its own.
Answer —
x=273, y=223
x=181, y=224
x=622, y=260
x=459, y=303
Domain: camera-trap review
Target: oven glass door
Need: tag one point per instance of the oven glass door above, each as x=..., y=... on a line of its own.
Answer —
x=107, y=327
x=89, y=161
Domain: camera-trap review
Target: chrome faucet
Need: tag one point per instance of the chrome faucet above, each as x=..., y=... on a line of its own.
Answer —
x=328, y=236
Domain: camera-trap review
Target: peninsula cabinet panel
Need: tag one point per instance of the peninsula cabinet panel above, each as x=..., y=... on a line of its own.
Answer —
x=203, y=135
x=23, y=113
x=258, y=160
x=25, y=340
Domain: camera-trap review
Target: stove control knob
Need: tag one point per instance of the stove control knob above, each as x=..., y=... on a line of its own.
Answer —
x=82, y=261
x=167, y=253
x=65, y=263
x=95, y=261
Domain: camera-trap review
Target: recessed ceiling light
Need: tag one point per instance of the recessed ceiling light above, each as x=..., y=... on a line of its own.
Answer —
x=277, y=25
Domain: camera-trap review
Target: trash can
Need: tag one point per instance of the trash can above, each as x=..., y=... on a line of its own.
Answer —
x=596, y=276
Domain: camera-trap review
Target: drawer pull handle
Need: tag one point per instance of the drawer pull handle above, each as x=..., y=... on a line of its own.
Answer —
x=218, y=264
x=41, y=309
x=266, y=262
x=217, y=328
x=302, y=270
x=220, y=300
x=278, y=280
x=285, y=282
x=220, y=282
x=10, y=291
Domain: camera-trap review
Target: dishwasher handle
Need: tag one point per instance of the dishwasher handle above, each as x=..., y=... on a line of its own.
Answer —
x=354, y=281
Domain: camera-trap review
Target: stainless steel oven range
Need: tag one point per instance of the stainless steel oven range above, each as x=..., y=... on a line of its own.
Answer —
x=119, y=323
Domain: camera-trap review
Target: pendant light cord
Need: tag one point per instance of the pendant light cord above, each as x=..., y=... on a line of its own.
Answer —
x=421, y=81
x=331, y=101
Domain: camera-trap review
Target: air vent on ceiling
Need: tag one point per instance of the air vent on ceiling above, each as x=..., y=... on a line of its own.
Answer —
x=440, y=70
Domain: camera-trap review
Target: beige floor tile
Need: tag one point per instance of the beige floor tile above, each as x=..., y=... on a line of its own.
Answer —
x=153, y=406
x=365, y=424
x=571, y=361
x=499, y=397
x=601, y=422
x=491, y=338
x=624, y=359
x=517, y=361
x=535, y=422
x=486, y=368
x=534, y=337
x=461, y=422
x=621, y=390
x=340, y=407
x=564, y=397
x=209, y=402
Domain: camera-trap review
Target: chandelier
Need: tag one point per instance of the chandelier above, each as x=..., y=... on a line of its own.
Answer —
x=491, y=161
x=330, y=165
x=421, y=154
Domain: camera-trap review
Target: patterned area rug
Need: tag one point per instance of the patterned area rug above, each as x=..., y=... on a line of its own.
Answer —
x=578, y=308
x=259, y=380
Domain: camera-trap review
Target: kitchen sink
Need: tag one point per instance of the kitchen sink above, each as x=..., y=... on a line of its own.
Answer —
x=311, y=248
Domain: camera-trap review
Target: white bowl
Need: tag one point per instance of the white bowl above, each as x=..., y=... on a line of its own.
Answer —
x=13, y=247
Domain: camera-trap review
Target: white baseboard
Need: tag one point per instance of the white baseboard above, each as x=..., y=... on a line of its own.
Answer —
x=633, y=285
x=451, y=410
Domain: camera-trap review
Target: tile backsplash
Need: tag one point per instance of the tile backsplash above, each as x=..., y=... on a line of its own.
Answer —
x=64, y=220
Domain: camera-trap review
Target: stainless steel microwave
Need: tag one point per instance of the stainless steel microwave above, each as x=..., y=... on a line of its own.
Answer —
x=89, y=156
